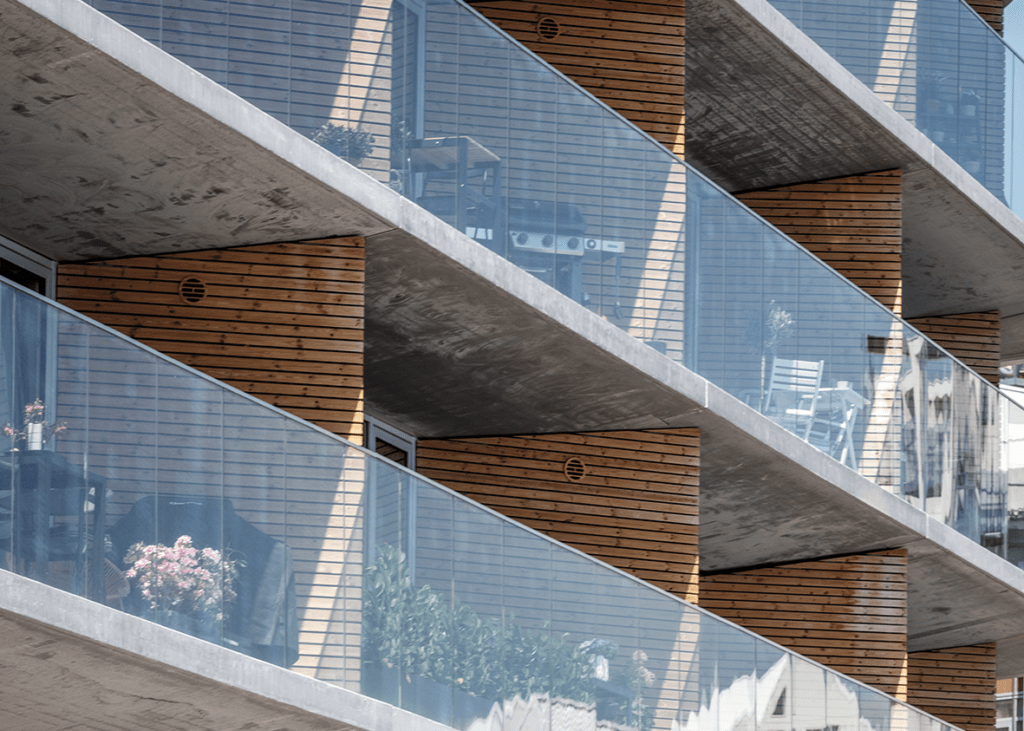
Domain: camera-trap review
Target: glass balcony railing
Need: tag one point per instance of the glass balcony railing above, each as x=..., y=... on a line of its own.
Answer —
x=140, y=484
x=939, y=65
x=435, y=102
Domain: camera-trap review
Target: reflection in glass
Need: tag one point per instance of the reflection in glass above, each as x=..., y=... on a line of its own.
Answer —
x=940, y=66
x=173, y=498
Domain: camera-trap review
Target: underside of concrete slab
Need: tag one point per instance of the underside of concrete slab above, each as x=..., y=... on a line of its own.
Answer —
x=68, y=663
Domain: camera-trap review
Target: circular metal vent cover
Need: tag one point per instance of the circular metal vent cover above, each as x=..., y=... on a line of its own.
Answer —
x=192, y=290
x=575, y=469
x=548, y=28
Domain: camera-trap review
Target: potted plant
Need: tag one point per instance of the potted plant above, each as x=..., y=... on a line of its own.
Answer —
x=349, y=143
x=37, y=430
x=932, y=88
x=441, y=659
x=969, y=103
x=766, y=331
x=186, y=588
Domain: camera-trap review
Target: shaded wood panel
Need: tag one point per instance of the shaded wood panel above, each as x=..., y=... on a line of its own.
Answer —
x=853, y=224
x=628, y=54
x=991, y=11
x=957, y=684
x=849, y=613
x=971, y=337
x=628, y=498
x=283, y=322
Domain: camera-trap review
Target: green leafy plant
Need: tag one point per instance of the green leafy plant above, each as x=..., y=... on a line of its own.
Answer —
x=635, y=676
x=347, y=142
x=421, y=632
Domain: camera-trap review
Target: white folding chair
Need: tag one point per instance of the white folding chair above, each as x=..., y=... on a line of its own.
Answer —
x=793, y=393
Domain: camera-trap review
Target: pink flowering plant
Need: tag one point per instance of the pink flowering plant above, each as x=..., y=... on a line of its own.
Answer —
x=35, y=423
x=182, y=578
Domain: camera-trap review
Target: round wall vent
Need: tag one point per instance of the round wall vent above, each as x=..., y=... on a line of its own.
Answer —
x=548, y=28
x=192, y=290
x=575, y=469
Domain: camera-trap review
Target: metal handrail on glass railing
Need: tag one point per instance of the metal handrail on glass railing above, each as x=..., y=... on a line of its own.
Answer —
x=434, y=101
x=942, y=67
x=158, y=491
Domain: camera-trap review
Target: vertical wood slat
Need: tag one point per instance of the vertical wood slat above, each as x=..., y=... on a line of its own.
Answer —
x=283, y=322
x=973, y=338
x=849, y=613
x=636, y=508
x=853, y=224
x=957, y=684
x=628, y=54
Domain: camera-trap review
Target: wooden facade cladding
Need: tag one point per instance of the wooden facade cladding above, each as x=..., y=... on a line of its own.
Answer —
x=628, y=54
x=957, y=684
x=634, y=505
x=854, y=224
x=991, y=11
x=972, y=337
x=283, y=322
x=849, y=613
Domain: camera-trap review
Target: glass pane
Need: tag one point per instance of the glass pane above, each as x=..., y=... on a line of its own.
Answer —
x=230, y=521
x=728, y=676
x=940, y=66
x=809, y=699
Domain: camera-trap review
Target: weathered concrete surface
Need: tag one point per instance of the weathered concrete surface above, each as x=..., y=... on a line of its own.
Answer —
x=766, y=106
x=102, y=158
x=67, y=664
